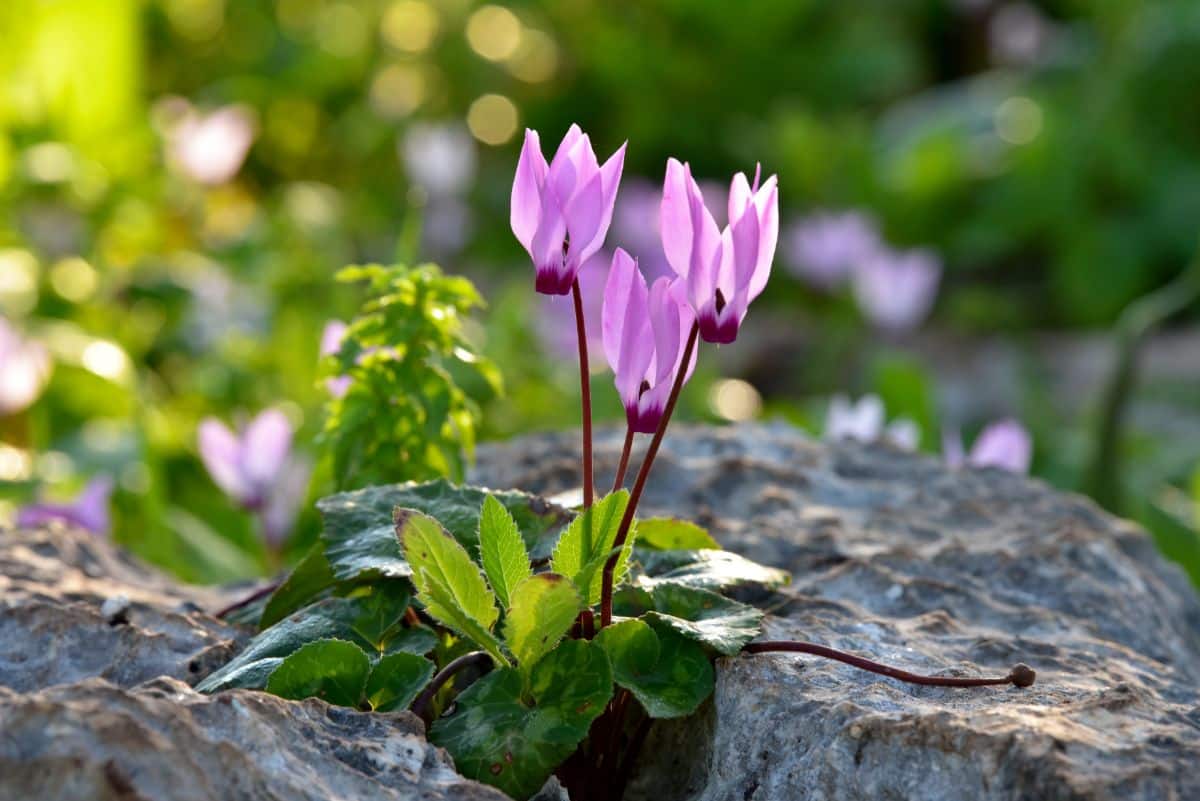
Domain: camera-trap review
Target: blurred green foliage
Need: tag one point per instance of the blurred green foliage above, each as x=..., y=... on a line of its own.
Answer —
x=1049, y=152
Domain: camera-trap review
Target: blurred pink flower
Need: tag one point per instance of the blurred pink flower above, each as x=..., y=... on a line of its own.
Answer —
x=331, y=343
x=210, y=148
x=896, y=290
x=256, y=468
x=825, y=248
x=864, y=421
x=1004, y=444
x=24, y=369
x=88, y=511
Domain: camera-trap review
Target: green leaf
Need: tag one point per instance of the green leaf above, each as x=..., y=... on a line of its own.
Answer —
x=451, y=614
x=669, y=674
x=381, y=615
x=708, y=569
x=366, y=515
x=502, y=550
x=436, y=557
x=669, y=534
x=395, y=681
x=589, y=541
x=331, y=618
x=306, y=581
x=333, y=670
x=712, y=620
x=543, y=608
x=500, y=737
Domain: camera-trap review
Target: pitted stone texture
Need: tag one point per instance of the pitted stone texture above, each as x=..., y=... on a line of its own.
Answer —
x=54, y=628
x=93, y=741
x=897, y=558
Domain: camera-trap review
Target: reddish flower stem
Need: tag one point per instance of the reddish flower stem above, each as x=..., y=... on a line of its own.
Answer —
x=585, y=389
x=266, y=589
x=1021, y=675
x=606, y=588
x=624, y=464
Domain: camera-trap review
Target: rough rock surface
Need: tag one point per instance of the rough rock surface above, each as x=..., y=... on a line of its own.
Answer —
x=94, y=704
x=162, y=740
x=55, y=629
x=897, y=558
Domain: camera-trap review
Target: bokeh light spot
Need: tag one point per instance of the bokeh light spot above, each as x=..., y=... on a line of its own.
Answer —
x=106, y=359
x=492, y=119
x=409, y=25
x=734, y=399
x=73, y=279
x=397, y=90
x=341, y=30
x=1018, y=120
x=494, y=32
x=536, y=60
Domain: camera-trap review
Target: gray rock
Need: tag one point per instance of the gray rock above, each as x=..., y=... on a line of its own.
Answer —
x=96, y=649
x=897, y=558
x=92, y=741
x=73, y=607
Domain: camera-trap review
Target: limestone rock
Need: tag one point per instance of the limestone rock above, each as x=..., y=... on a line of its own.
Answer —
x=92, y=741
x=897, y=558
x=73, y=607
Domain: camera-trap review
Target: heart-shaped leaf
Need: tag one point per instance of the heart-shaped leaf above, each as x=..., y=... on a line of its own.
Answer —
x=669, y=674
x=505, y=738
x=333, y=670
x=588, y=542
x=501, y=550
x=543, y=608
x=395, y=681
x=708, y=569
x=669, y=534
x=710, y=619
x=306, y=581
x=332, y=618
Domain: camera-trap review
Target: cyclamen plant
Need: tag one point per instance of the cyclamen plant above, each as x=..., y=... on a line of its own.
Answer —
x=536, y=640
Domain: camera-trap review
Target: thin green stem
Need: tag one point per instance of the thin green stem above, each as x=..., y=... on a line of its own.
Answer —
x=606, y=586
x=1136, y=323
x=585, y=389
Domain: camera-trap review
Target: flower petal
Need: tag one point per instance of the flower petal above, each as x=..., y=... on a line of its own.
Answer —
x=675, y=218
x=527, y=190
x=766, y=204
x=266, y=444
x=1004, y=444
x=221, y=453
x=628, y=343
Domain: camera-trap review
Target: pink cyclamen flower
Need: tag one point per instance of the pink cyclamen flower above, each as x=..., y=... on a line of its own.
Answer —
x=89, y=509
x=331, y=343
x=247, y=465
x=896, y=290
x=561, y=211
x=824, y=248
x=864, y=421
x=727, y=269
x=1004, y=444
x=210, y=148
x=24, y=370
x=645, y=331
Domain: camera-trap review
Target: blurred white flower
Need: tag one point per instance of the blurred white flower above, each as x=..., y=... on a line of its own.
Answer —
x=439, y=157
x=864, y=421
x=210, y=148
x=1018, y=34
x=24, y=369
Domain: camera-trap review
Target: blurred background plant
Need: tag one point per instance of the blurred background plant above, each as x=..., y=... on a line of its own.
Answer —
x=973, y=192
